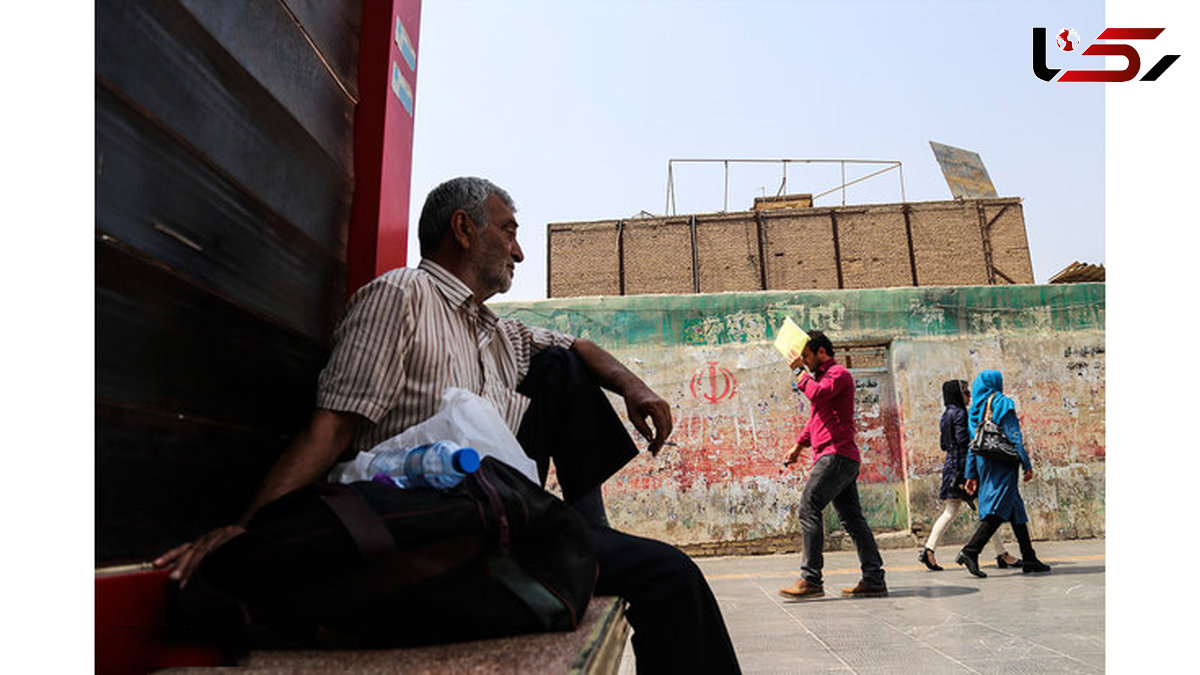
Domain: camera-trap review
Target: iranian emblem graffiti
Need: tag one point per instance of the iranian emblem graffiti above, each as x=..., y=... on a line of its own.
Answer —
x=713, y=384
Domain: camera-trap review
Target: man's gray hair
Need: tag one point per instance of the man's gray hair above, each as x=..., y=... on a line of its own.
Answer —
x=467, y=193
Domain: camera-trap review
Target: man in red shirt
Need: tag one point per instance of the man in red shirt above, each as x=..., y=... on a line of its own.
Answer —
x=836, y=460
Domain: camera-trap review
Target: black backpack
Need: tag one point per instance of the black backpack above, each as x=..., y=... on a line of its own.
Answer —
x=371, y=565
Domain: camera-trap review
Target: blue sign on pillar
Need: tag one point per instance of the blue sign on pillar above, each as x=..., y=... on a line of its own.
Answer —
x=402, y=88
x=405, y=45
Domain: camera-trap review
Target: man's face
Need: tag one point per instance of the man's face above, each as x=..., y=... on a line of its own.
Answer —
x=809, y=358
x=496, y=252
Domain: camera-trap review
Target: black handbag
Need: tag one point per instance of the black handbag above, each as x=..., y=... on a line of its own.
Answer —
x=369, y=565
x=990, y=441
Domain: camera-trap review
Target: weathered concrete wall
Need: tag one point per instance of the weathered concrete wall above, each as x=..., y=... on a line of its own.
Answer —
x=1056, y=380
x=962, y=242
x=736, y=413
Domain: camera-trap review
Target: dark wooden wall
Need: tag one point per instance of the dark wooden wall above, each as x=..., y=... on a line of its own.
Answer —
x=223, y=169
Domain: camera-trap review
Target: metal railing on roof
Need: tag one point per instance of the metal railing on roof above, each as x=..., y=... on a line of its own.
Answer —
x=891, y=165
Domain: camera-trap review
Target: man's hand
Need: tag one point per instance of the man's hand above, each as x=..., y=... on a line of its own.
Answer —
x=1028, y=475
x=183, y=559
x=642, y=403
x=306, y=459
x=794, y=454
x=794, y=358
x=971, y=486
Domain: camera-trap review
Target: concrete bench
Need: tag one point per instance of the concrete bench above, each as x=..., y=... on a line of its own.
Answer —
x=594, y=648
x=130, y=640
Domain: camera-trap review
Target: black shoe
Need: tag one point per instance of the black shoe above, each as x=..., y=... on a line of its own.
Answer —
x=1034, y=565
x=923, y=557
x=1002, y=565
x=971, y=563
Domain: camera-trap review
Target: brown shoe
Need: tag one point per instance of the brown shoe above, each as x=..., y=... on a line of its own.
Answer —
x=802, y=590
x=865, y=590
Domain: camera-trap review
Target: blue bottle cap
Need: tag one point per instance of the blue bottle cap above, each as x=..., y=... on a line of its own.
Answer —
x=466, y=460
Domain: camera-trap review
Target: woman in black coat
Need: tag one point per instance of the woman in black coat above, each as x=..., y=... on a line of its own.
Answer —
x=954, y=444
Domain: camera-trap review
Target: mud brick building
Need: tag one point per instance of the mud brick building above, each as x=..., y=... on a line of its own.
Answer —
x=943, y=243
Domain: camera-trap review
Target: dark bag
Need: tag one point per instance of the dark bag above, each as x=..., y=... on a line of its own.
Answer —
x=990, y=441
x=371, y=565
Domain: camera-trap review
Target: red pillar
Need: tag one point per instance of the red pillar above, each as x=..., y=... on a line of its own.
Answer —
x=383, y=134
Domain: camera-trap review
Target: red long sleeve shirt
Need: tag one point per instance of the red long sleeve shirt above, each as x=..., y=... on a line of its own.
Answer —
x=830, y=429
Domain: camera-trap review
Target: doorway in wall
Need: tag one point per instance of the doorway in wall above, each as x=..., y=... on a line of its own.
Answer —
x=882, y=486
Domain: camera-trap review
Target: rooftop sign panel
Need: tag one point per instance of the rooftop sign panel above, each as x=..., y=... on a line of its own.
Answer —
x=964, y=172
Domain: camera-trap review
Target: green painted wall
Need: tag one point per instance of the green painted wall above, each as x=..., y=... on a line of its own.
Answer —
x=854, y=315
x=711, y=357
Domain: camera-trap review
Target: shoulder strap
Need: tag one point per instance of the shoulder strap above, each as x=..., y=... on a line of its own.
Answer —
x=365, y=526
x=550, y=609
x=987, y=415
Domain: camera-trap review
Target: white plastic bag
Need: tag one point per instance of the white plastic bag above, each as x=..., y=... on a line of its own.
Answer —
x=462, y=418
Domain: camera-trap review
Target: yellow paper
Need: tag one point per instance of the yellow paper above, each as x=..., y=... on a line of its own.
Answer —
x=790, y=341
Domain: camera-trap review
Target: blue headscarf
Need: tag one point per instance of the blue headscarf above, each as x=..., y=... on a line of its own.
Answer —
x=986, y=384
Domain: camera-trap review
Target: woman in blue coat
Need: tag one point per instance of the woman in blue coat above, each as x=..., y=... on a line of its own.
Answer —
x=995, y=480
x=954, y=440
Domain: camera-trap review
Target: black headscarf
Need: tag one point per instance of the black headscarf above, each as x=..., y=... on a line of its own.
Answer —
x=952, y=393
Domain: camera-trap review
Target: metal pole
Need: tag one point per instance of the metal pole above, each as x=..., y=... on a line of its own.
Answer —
x=843, y=184
x=695, y=258
x=725, y=209
x=762, y=249
x=853, y=182
x=620, y=257
x=670, y=187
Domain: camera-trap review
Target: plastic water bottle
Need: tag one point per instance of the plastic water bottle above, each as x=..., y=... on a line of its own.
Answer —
x=440, y=465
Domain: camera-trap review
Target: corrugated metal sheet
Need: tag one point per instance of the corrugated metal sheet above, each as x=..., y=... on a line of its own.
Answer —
x=1078, y=272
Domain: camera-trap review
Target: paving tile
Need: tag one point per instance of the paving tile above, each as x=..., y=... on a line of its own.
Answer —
x=1037, y=666
x=924, y=668
x=930, y=623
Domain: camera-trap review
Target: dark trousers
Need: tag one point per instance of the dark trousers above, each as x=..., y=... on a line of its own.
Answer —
x=987, y=528
x=677, y=624
x=571, y=421
x=834, y=478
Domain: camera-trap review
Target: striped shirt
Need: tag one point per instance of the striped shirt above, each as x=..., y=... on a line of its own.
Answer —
x=410, y=334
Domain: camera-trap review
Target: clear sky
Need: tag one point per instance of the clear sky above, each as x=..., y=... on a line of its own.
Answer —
x=575, y=108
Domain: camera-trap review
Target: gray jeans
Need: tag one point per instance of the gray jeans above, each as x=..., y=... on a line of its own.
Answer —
x=833, y=479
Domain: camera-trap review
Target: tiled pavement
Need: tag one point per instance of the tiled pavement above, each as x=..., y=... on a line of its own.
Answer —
x=931, y=622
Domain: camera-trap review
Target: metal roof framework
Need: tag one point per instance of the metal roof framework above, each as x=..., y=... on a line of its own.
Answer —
x=890, y=166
